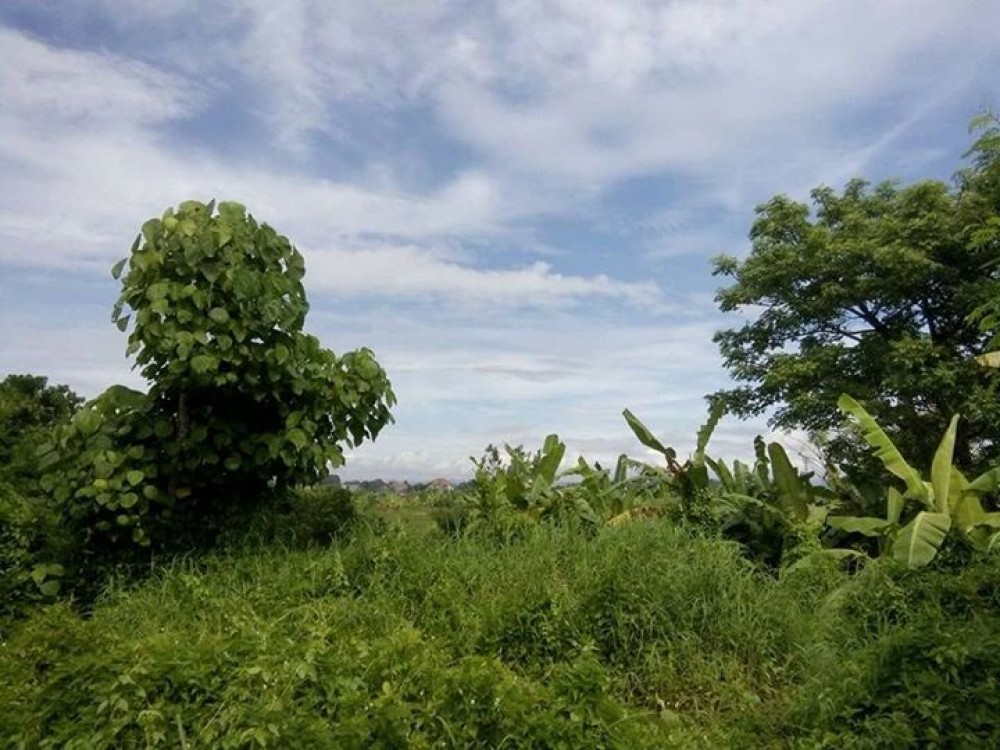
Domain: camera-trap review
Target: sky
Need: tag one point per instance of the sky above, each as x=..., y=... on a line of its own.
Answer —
x=514, y=204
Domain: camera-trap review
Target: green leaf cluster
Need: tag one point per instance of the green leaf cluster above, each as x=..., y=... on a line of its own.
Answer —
x=29, y=410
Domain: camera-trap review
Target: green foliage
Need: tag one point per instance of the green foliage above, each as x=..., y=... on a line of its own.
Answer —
x=303, y=518
x=914, y=662
x=523, y=480
x=871, y=294
x=607, y=494
x=913, y=535
x=513, y=491
x=29, y=409
x=688, y=481
x=103, y=470
x=32, y=543
x=241, y=399
x=406, y=642
x=642, y=636
x=772, y=510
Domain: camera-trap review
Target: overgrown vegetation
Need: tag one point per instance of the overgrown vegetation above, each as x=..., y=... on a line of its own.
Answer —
x=171, y=577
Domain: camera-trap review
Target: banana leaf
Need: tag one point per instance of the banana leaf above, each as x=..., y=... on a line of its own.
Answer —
x=553, y=451
x=990, y=359
x=644, y=435
x=790, y=497
x=705, y=433
x=835, y=553
x=621, y=469
x=986, y=482
x=918, y=542
x=894, y=505
x=722, y=472
x=761, y=466
x=867, y=525
x=942, y=468
x=885, y=451
x=742, y=476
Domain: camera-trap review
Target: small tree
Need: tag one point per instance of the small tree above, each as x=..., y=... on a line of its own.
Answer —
x=241, y=400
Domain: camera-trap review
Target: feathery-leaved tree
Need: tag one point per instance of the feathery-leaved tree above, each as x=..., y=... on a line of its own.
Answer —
x=869, y=292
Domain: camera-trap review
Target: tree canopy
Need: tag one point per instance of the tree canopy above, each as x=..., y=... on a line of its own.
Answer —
x=870, y=292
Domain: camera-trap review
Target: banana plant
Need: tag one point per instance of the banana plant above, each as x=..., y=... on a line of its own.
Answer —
x=763, y=508
x=775, y=481
x=948, y=501
x=607, y=494
x=691, y=478
x=523, y=479
x=526, y=484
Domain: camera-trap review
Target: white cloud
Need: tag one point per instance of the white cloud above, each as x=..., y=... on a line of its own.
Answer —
x=630, y=89
x=43, y=88
x=84, y=355
x=412, y=272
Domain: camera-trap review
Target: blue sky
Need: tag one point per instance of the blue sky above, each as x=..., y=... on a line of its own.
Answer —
x=513, y=204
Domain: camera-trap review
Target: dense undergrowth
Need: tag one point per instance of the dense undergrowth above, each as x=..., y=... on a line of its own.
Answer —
x=645, y=635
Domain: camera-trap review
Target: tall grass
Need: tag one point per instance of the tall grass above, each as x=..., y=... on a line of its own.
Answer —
x=639, y=636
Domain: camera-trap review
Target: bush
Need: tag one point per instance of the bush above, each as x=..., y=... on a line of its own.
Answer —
x=302, y=518
x=917, y=662
x=242, y=400
x=199, y=658
x=29, y=409
x=32, y=548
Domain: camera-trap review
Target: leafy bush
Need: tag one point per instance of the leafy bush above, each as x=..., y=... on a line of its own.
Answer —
x=29, y=409
x=301, y=518
x=919, y=520
x=360, y=656
x=916, y=662
x=638, y=636
x=453, y=514
x=242, y=400
x=773, y=511
x=32, y=548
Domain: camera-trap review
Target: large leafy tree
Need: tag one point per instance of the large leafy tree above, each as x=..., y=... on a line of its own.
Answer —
x=241, y=400
x=869, y=292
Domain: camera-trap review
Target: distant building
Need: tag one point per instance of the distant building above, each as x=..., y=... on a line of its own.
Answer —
x=440, y=484
x=400, y=488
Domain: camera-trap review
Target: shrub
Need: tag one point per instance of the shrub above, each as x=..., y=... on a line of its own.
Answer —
x=242, y=400
x=301, y=518
x=32, y=549
x=917, y=662
x=29, y=409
